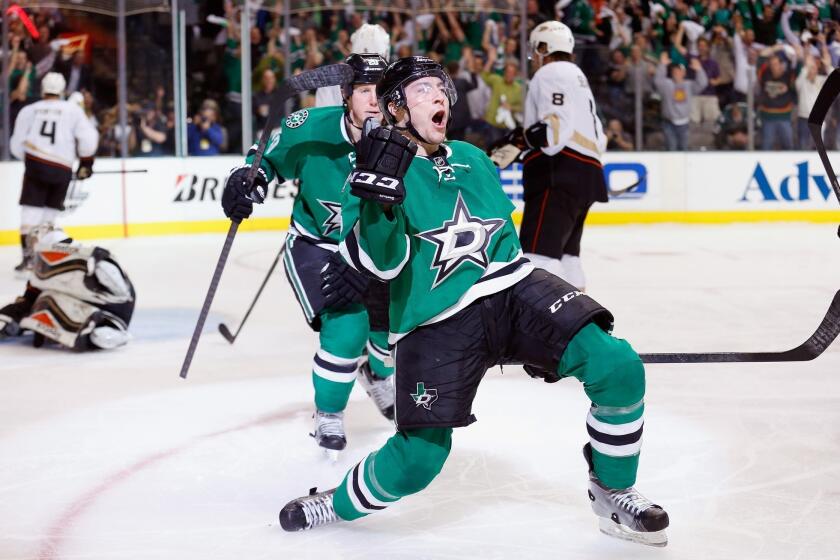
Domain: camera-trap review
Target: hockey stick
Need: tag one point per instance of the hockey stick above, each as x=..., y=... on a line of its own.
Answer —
x=120, y=172
x=325, y=76
x=223, y=329
x=626, y=189
x=828, y=93
x=808, y=350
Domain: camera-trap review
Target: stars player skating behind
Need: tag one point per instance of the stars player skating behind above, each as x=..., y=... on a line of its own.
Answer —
x=316, y=147
x=463, y=299
x=48, y=135
x=563, y=176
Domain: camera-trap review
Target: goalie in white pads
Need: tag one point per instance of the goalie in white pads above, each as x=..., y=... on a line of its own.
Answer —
x=78, y=296
x=48, y=135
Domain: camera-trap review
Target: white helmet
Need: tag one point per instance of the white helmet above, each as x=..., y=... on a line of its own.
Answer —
x=556, y=36
x=371, y=38
x=78, y=98
x=53, y=84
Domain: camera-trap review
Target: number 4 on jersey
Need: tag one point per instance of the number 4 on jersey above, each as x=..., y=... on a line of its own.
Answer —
x=49, y=134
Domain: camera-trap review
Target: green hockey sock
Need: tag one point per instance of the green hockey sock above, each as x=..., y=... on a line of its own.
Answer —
x=406, y=464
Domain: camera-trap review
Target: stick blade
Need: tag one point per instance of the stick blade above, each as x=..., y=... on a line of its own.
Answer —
x=225, y=332
x=323, y=76
x=828, y=93
x=826, y=333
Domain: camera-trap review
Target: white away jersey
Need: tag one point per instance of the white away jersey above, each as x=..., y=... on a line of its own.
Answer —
x=55, y=131
x=559, y=95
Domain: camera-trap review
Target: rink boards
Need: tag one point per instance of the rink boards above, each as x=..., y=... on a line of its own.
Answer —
x=164, y=196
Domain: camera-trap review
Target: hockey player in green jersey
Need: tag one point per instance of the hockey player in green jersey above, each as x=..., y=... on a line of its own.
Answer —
x=464, y=299
x=316, y=146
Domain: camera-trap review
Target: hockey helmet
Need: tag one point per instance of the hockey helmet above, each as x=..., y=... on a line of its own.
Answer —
x=53, y=84
x=78, y=98
x=367, y=69
x=550, y=37
x=391, y=88
x=371, y=38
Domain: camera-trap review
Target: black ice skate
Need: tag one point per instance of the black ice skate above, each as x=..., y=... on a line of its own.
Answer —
x=308, y=512
x=380, y=390
x=329, y=432
x=23, y=269
x=626, y=514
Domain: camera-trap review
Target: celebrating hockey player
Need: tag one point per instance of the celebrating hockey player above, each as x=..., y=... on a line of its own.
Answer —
x=563, y=176
x=48, y=135
x=463, y=299
x=368, y=39
x=77, y=296
x=316, y=146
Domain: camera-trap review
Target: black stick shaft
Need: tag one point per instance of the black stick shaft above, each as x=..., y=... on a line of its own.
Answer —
x=260, y=291
x=208, y=299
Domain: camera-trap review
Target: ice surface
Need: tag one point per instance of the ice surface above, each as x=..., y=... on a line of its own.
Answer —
x=112, y=456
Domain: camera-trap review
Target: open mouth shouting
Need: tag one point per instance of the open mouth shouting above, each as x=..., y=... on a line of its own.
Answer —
x=439, y=119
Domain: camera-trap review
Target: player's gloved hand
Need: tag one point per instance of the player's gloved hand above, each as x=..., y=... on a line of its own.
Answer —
x=536, y=135
x=508, y=149
x=341, y=285
x=382, y=159
x=239, y=197
x=12, y=314
x=539, y=373
x=85, y=169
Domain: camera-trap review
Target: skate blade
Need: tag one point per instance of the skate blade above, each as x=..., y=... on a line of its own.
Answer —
x=332, y=455
x=618, y=531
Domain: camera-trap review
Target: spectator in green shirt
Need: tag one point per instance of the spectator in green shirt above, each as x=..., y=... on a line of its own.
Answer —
x=506, y=98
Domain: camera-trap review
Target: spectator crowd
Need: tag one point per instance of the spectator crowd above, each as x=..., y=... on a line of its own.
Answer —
x=694, y=72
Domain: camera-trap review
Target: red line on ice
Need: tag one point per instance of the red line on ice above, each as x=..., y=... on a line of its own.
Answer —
x=57, y=533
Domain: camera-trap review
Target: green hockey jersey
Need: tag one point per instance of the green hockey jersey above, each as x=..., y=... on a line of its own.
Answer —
x=449, y=243
x=314, y=147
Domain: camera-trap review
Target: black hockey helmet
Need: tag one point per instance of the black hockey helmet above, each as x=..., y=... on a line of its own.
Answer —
x=367, y=69
x=402, y=72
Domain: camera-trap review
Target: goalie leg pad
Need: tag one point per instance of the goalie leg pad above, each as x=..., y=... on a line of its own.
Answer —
x=75, y=324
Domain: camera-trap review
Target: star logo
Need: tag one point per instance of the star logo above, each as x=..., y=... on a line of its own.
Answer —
x=333, y=221
x=297, y=118
x=424, y=397
x=464, y=238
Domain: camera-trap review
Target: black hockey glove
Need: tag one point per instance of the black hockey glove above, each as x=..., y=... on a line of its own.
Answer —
x=239, y=197
x=382, y=159
x=12, y=314
x=536, y=135
x=341, y=285
x=545, y=375
x=85, y=169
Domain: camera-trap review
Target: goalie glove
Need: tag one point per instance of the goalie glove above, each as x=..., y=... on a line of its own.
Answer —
x=341, y=285
x=239, y=196
x=382, y=159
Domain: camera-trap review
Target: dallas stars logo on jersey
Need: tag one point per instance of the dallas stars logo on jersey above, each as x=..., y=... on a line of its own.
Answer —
x=333, y=221
x=297, y=118
x=424, y=397
x=462, y=239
